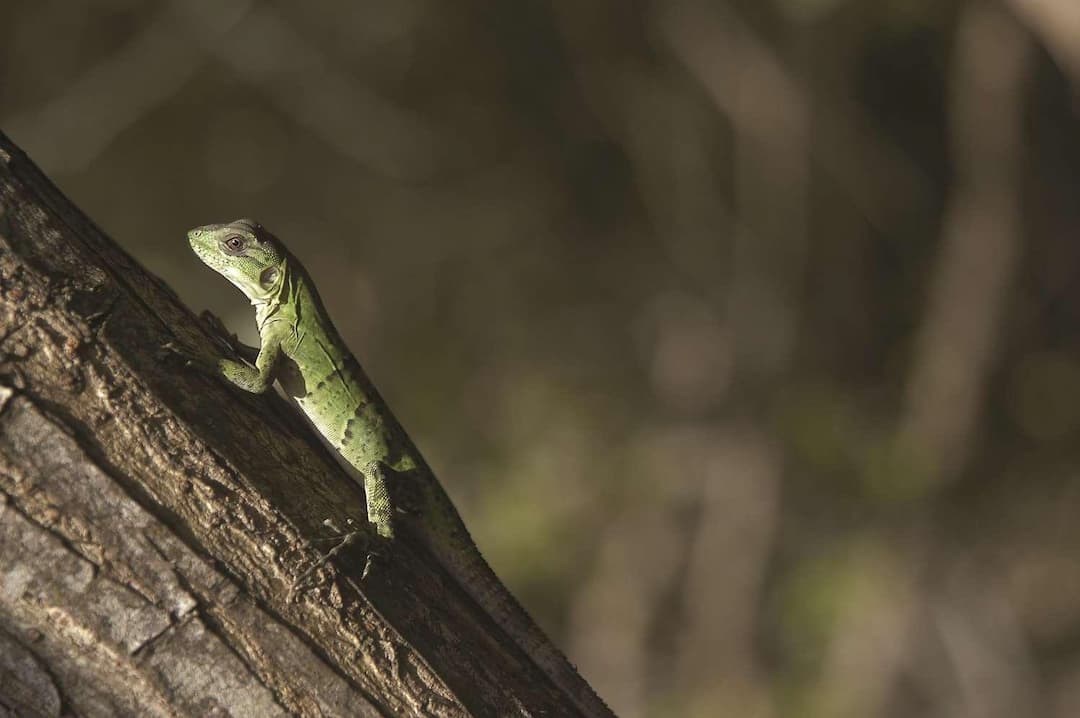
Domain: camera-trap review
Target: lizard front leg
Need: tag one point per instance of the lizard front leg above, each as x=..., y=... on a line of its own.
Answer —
x=258, y=378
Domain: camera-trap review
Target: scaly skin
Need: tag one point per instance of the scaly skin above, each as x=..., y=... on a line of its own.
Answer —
x=300, y=348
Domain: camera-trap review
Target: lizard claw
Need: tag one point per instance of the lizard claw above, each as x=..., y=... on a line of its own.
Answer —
x=368, y=563
x=216, y=328
x=172, y=350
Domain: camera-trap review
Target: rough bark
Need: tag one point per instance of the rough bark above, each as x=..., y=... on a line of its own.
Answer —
x=154, y=523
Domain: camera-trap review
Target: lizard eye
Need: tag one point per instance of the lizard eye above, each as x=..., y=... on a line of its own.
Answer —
x=234, y=244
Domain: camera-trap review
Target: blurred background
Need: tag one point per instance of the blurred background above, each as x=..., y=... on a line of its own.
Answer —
x=744, y=334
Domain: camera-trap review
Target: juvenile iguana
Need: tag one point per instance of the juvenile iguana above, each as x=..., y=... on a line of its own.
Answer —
x=301, y=349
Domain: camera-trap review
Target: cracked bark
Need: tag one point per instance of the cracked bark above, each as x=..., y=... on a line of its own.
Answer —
x=153, y=522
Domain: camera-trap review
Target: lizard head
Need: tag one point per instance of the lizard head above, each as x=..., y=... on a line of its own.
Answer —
x=244, y=253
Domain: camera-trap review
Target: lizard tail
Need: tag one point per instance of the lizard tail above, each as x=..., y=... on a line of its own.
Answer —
x=478, y=580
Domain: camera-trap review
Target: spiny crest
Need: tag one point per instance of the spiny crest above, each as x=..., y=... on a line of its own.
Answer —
x=244, y=253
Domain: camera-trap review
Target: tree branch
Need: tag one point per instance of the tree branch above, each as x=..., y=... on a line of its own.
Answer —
x=154, y=523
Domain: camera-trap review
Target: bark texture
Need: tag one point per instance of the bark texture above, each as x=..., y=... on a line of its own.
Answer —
x=154, y=523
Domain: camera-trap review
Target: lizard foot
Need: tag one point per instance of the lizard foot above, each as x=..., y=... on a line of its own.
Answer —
x=344, y=540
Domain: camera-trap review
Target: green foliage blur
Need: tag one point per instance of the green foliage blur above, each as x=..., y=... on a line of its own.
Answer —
x=744, y=334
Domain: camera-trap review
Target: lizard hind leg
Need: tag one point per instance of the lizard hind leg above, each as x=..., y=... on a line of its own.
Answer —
x=380, y=507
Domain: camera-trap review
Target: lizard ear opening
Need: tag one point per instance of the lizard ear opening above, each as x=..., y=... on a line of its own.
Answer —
x=268, y=277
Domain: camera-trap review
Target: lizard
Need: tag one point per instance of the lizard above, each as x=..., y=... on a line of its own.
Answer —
x=302, y=350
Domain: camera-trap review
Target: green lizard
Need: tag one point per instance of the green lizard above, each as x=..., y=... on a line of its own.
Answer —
x=301, y=349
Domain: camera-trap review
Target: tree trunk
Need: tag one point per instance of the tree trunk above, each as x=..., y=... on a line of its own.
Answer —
x=156, y=526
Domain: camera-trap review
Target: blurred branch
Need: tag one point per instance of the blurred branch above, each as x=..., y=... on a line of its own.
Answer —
x=74, y=128
x=769, y=115
x=871, y=641
x=711, y=512
x=753, y=88
x=1057, y=23
x=725, y=574
x=614, y=608
x=871, y=647
x=994, y=674
x=301, y=81
x=672, y=605
x=981, y=242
